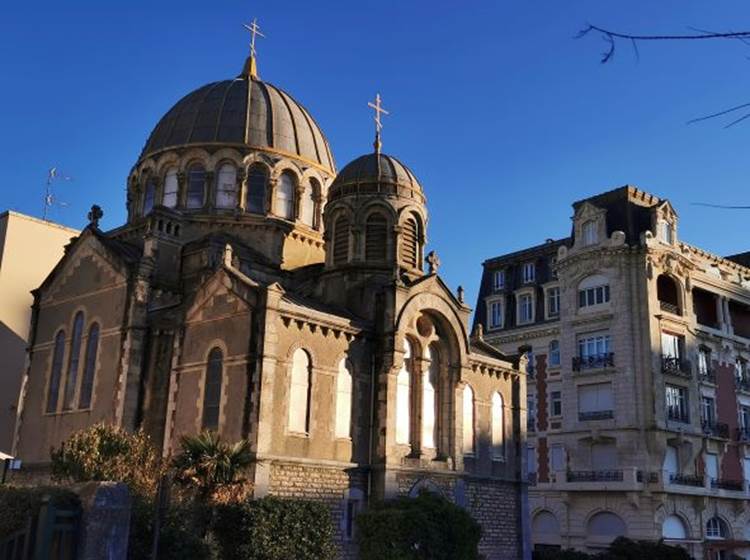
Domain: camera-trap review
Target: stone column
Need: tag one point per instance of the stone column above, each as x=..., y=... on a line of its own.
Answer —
x=241, y=186
x=209, y=192
x=181, y=189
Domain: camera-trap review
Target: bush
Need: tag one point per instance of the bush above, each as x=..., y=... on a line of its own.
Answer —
x=620, y=549
x=275, y=529
x=426, y=527
x=103, y=452
x=18, y=504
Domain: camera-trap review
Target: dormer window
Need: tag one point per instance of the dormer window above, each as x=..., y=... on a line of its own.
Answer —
x=665, y=232
x=496, y=314
x=589, y=233
x=498, y=279
x=528, y=272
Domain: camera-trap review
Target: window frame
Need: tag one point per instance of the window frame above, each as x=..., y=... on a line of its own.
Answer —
x=679, y=397
x=520, y=297
x=498, y=279
x=528, y=272
x=492, y=304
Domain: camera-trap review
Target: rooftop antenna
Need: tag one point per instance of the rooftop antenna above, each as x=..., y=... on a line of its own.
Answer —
x=50, y=199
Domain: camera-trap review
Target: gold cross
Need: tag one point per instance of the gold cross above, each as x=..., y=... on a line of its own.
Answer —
x=378, y=110
x=254, y=30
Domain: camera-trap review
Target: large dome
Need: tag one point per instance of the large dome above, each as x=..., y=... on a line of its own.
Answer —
x=218, y=113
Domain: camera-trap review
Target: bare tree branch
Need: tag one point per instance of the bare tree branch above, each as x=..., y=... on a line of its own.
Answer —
x=610, y=37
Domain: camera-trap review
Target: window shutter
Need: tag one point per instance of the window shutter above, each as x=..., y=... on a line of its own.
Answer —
x=409, y=241
x=376, y=231
x=341, y=240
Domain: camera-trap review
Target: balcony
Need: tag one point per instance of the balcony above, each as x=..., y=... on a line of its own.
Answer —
x=686, y=480
x=707, y=376
x=596, y=415
x=669, y=308
x=671, y=365
x=715, y=429
x=743, y=434
x=596, y=361
x=594, y=476
x=742, y=383
x=649, y=477
x=726, y=484
x=676, y=415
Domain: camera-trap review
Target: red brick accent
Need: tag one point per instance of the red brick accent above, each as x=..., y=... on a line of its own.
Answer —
x=541, y=393
x=542, y=453
x=726, y=412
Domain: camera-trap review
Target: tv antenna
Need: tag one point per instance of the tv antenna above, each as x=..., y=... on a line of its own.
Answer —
x=50, y=200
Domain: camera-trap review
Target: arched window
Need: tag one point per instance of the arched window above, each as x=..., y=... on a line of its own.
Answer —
x=307, y=205
x=299, y=394
x=376, y=235
x=545, y=529
x=341, y=240
x=403, y=397
x=56, y=372
x=196, y=186
x=171, y=188
x=73, y=360
x=285, y=197
x=212, y=390
x=554, y=353
x=226, y=186
x=429, y=397
x=498, y=427
x=673, y=528
x=716, y=529
x=344, y=400
x=148, y=196
x=593, y=290
x=606, y=526
x=89, y=368
x=257, y=184
x=468, y=420
x=410, y=242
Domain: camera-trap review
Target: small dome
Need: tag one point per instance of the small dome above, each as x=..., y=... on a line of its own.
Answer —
x=375, y=173
x=217, y=113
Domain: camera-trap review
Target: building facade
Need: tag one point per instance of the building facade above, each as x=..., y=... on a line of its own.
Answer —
x=29, y=249
x=636, y=346
x=257, y=292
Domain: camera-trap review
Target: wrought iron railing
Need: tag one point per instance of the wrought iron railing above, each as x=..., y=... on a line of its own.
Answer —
x=743, y=434
x=676, y=415
x=595, y=361
x=596, y=415
x=686, y=479
x=742, y=383
x=669, y=307
x=594, y=476
x=727, y=484
x=707, y=376
x=642, y=476
x=672, y=365
x=716, y=429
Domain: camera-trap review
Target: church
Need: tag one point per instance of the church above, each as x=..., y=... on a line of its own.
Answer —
x=258, y=292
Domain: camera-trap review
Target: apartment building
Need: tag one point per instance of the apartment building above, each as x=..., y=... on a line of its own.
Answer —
x=636, y=346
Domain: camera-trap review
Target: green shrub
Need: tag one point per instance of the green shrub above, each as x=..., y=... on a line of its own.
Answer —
x=103, y=452
x=275, y=529
x=620, y=549
x=426, y=527
x=17, y=504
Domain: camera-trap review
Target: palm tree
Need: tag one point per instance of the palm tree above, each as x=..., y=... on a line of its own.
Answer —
x=209, y=463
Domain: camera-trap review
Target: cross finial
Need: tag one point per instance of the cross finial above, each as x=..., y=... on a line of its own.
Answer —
x=95, y=214
x=433, y=262
x=254, y=29
x=378, y=108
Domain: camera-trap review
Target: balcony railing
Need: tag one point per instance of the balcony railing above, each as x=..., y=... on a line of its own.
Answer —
x=677, y=416
x=651, y=477
x=742, y=383
x=743, y=434
x=531, y=427
x=596, y=361
x=726, y=484
x=596, y=415
x=672, y=365
x=707, y=376
x=686, y=479
x=669, y=307
x=531, y=478
x=594, y=476
x=715, y=429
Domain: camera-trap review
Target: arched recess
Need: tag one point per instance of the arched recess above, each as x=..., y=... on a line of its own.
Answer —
x=425, y=485
x=341, y=238
x=674, y=528
x=299, y=392
x=256, y=192
x=411, y=241
x=284, y=197
x=545, y=529
x=605, y=526
x=668, y=292
x=376, y=237
x=226, y=185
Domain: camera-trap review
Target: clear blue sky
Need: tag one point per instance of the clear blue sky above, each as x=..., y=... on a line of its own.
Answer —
x=501, y=114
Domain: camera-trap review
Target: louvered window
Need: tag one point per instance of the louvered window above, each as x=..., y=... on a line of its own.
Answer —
x=375, y=238
x=212, y=390
x=341, y=240
x=409, y=243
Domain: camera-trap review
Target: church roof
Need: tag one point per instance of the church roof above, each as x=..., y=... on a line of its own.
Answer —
x=377, y=167
x=244, y=112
